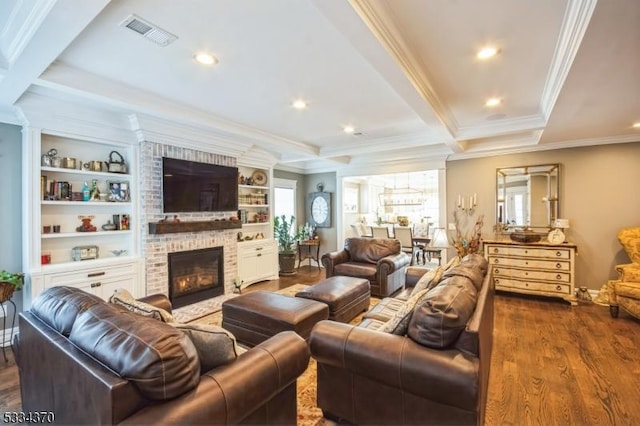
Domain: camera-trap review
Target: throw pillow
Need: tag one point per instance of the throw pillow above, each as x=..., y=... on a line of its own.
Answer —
x=215, y=345
x=428, y=280
x=451, y=263
x=123, y=298
x=399, y=322
x=443, y=313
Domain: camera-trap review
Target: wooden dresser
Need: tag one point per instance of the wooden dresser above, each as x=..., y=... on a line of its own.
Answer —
x=541, y=268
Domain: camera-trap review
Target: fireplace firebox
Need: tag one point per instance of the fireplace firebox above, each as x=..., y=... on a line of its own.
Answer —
x=195, y=275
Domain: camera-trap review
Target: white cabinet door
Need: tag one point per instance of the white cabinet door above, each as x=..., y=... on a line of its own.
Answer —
x=257, y=261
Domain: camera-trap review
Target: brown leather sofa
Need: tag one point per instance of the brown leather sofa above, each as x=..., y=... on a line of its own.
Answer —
x=371, y=377
x=163, y=385
x=379, y=260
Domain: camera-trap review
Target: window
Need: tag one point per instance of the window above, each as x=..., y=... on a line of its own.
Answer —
x=284, y=198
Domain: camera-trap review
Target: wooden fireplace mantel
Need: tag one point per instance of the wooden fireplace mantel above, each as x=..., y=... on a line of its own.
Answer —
x=192, y=226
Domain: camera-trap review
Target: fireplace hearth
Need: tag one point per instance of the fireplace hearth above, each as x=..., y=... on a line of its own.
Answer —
x=195, y=275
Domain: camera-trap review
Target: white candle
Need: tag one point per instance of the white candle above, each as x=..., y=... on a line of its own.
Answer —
x=459, y=200
x=475, y=199
x=462, y=205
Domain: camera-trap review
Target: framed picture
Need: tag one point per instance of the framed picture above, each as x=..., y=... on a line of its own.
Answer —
x=119, y=191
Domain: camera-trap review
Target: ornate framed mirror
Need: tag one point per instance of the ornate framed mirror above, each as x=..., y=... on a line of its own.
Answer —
x=527, y=196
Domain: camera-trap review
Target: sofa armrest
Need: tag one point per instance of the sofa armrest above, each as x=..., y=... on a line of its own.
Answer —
x=629, y=272
x=229, y=393
x=414, y=273
x=446, y=376
x=390, y=264
x=330, y=260
x=158, y=300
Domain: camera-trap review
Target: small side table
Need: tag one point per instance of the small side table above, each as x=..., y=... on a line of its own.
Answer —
x=4, y=325
x=310, y=246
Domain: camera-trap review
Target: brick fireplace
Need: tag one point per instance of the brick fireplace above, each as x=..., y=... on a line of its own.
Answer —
x=156, y=248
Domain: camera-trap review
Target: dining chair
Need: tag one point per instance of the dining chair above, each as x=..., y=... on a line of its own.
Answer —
x=405, y=236
x=380, y=232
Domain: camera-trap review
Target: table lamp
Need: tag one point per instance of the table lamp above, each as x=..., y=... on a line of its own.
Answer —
x=556, y=236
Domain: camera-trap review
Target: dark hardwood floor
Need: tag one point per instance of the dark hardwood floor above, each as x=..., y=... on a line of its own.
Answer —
x=552, y=364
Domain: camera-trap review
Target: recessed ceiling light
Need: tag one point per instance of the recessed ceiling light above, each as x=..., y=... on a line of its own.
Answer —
x=493, y=102
x=636, y=125
x=205, y=58
x=487, y=52
x=349, y=129
x=299, y=104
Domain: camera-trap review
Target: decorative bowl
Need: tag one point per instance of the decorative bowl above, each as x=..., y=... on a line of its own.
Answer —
x=118, y=252
x=525, y=236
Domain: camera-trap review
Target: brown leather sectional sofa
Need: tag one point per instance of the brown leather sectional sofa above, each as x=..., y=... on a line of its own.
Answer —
x=159, y=384
x=379, y=260
x=371, y=377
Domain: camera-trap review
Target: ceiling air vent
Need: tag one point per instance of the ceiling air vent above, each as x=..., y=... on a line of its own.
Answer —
x=148, y=30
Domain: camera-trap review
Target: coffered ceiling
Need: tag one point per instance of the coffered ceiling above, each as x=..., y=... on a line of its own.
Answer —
x=402, y=73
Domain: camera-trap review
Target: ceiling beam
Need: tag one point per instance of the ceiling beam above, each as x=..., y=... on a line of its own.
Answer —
x=64, y=21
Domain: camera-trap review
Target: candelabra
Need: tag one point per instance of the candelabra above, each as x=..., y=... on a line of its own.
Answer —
x=467, y=203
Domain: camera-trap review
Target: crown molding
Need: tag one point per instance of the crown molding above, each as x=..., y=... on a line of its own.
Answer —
x=576, y=143
x=401, y=141
x=502, y=127
x=23, y=21
x=55, y=116
x=153, y=129
x=574, y=26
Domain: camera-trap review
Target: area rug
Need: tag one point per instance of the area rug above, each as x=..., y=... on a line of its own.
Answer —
x=308, y=413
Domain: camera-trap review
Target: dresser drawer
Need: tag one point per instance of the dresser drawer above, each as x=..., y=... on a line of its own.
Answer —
x=75, y=278
x=531, y=274
x=556, y=265
x=532, y=287
x=539, y=252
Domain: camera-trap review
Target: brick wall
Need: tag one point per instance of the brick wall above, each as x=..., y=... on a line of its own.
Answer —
x=155, y=248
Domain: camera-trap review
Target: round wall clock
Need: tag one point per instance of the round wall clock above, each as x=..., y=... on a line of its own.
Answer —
x=556, y=236
x=320, y=209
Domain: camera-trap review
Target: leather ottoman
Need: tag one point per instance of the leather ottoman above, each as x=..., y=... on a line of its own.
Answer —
x=345, y=296
x=256, y=316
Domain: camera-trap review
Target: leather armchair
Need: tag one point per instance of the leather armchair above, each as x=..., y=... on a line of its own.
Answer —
x=625, y=292
x=379, y=260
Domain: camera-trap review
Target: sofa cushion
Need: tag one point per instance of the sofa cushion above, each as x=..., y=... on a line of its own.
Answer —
x=215, y=345
x=399, y=322
x=356, y=270
x=428, y=280
x=443, y=313
x=157, y=358
x=452, y=262
x=123, y=298
x=473, y=266
x=59, y=307
x=371, y=250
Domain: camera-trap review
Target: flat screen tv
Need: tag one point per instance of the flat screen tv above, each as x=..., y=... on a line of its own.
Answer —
x=189, y=186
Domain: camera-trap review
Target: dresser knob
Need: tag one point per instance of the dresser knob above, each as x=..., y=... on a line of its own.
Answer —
x=558, y=265
x=558, y=277
x=495, y=250
x=558, y=288
x=496, y=260
x=558, y=254
x=497, y=271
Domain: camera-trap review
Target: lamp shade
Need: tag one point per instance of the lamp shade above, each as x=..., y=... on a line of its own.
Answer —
x=562, y=223
x=440, y=239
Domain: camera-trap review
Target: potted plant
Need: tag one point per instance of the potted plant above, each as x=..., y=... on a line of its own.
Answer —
x=287, y=236
x=9, y=282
